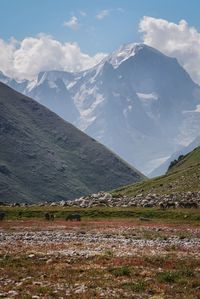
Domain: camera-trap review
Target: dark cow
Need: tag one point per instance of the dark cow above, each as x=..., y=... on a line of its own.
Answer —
x=189, y=204
x=167, y=205
x=2, y=215
x=49, y=216
x=72, y=217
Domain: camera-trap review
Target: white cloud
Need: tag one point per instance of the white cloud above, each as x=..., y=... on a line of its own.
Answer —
x=72, y=23
x=25, y=59
x=107, y=12
x=83, y=13
x=7, y=55
x=176, y=40
x=102, y=14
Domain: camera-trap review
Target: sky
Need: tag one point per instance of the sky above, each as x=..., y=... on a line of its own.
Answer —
x=77, y=34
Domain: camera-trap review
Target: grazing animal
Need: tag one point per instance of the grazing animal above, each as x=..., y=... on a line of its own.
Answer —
x=2, y=216
x=189, y=204
x=144, y=219
x=162, y=205
x=72, y=217
x=49, y=216
x=170, y=204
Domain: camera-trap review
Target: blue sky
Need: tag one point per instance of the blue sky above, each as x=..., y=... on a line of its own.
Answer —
x=22, y=18
x=73, y=35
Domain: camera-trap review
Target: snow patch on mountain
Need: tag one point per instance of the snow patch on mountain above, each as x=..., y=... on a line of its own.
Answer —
x=197, y=109
x=88, y=115
x=122, y=54
x=125, y=52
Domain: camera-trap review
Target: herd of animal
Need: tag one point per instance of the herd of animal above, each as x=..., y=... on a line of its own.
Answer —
x=71, y=217
x=49, y=216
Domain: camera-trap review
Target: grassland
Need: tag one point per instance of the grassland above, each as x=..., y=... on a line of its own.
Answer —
x=182, y=177
x=101, y=213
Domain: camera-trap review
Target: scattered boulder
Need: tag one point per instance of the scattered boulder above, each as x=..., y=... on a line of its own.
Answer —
x=63, y=203
x=151, y=200
x=165, y=201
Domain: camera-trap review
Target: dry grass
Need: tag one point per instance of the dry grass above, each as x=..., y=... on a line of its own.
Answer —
x=113, y=270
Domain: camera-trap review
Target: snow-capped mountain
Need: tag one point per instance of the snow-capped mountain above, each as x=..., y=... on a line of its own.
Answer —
x=135, y=102
x=138, y=102
x=50, y=89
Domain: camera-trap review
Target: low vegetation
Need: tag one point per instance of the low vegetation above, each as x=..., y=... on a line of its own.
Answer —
x=62, y=213
x=183, y=176
x=99, y=259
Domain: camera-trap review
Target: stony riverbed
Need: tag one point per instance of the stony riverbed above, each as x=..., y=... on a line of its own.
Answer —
x=99, y=259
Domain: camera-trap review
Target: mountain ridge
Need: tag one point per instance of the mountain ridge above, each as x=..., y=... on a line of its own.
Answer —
x=44, y=158
x=145, y=100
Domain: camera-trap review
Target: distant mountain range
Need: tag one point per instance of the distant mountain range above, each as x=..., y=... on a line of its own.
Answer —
x=44, y=158
x=138, y=102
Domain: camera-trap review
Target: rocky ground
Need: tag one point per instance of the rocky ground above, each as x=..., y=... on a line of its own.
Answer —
x=99, y=259
x=151, y=200
x=103, y=199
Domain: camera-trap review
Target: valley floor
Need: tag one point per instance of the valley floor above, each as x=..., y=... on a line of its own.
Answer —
x=118, y=258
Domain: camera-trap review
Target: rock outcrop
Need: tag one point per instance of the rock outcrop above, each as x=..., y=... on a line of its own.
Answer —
x=104, y=199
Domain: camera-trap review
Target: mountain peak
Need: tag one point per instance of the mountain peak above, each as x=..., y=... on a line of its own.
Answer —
x=128, y=50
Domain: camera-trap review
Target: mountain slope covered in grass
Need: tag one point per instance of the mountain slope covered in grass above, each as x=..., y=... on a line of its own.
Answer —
x=183, y=176
x=44, y=158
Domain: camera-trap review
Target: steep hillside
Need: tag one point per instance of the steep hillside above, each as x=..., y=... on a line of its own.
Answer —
x=184, y=176
x=162, y=169
x=44, y=158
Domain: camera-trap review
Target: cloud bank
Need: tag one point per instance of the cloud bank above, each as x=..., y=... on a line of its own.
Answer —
x=176, y=40
x=25, y=59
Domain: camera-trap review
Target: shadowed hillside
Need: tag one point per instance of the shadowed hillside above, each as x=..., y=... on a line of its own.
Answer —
x=44, y=158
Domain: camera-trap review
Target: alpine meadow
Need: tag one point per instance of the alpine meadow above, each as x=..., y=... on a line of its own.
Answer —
x=99, y=149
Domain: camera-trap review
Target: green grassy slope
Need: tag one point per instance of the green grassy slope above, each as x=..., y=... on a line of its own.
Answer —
x=182, y=177
x=44, y=158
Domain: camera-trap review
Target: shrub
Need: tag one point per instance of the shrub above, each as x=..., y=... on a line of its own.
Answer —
x=139, y=286
x=168, y=276
x=121, y=271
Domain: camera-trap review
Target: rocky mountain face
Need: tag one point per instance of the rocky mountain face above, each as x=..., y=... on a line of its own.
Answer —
x=44, y=158
x=138, y=102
